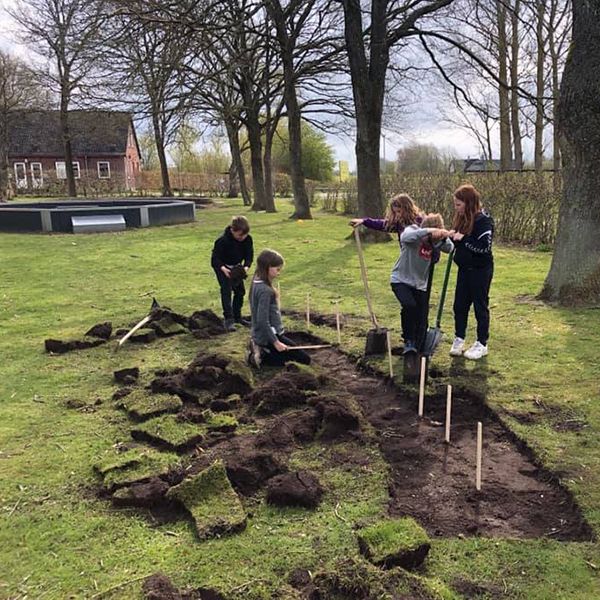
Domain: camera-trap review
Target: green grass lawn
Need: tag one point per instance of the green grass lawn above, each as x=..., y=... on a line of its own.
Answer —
x=57, y=540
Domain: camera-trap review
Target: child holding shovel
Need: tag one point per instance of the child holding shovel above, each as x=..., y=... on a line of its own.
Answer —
x=231, y=258
x=267, y=344
x=420, y=245
x=401, y=212
x=472, y=232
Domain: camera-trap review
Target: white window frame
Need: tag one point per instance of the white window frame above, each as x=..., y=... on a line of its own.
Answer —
x=103, y=162
x=36, y=183
x=21, y=182
x=61, y=167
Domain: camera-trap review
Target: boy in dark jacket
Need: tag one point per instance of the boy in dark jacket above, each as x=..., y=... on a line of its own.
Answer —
x=231, y=258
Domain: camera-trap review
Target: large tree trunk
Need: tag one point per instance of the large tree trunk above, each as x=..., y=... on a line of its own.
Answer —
x=68, y=149
x=167, y=191
x=286, y=47
x=503, y=97
x=268, y=169
x=236, y=157
x=538, y=155
x=256, y=161
x=514, y=82
x=574, y=276
x=234, y=187
x=368, y=85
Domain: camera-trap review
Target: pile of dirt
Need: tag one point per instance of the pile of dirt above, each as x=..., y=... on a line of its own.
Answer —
x=300, y=488
x=160, y=587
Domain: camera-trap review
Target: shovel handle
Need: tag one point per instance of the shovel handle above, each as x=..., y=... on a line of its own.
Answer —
x=438, y=320
x=363, y=273
x=313, y=347
x=133, y=330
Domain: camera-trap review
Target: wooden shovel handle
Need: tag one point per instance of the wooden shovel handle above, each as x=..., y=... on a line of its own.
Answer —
x=314, y=347
x=133, y=330
x=363, y=272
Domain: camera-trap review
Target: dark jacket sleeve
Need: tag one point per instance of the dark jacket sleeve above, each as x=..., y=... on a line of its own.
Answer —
x=249, y=251
x=377, y=224
x=216, y=260
x=479, y=241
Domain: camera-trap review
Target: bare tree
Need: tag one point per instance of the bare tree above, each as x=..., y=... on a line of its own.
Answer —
x=17, y=91
x=574, y=276
x=67, y=31
x=369, y=36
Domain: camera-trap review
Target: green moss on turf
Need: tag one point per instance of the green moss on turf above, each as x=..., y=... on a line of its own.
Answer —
x=212, y=502
x=169, y=431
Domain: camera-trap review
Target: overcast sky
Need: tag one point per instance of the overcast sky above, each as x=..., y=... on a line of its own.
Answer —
x=424, y=127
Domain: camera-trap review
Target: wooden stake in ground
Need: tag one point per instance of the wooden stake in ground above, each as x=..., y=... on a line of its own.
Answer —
x=389, y=348
x=422, y=385
x=448, y=413
x=479, y=449
x=308, y=310
x=337, y=321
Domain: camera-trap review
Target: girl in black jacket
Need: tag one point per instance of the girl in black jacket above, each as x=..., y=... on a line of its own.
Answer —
x=472, y=233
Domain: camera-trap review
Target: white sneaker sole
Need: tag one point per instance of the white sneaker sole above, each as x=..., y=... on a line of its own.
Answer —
x=469, y=357
x=456, y=352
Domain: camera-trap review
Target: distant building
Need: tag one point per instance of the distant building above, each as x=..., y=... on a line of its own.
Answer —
x=106, y=155
x=477, y=165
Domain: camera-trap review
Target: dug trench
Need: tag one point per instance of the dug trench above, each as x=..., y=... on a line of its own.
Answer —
x=430, y=480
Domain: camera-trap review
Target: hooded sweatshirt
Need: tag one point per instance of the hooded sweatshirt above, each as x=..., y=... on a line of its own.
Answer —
x=228, y=252
x=474, y=251
x=412, y=268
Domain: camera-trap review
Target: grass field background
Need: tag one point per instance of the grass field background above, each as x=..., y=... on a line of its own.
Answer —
x=57, y=540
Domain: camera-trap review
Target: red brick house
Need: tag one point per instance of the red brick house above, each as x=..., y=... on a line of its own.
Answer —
x=106, y=155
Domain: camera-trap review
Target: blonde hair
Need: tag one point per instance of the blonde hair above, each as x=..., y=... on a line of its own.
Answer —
x=433, y=220
x=407, y=215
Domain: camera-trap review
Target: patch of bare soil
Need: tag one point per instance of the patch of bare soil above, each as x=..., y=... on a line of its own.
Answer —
x=435, y=482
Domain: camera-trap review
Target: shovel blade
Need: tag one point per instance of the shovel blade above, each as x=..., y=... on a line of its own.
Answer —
x=432, y=341
x=376, y=341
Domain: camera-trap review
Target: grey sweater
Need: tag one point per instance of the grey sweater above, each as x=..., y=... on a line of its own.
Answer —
x=412, y=268
x=266, y=317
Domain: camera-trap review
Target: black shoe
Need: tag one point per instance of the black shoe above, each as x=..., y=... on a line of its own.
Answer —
x=229, y=325
x=409, y=347
x=244, y=322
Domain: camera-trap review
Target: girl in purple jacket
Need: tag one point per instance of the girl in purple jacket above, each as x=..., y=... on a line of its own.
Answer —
x=400, y=213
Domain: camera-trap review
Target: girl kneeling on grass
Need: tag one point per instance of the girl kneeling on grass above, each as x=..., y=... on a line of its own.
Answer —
x=420, y=246
x=268, y=345
x=472, y=232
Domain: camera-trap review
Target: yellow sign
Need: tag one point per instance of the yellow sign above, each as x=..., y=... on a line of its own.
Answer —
x=344, y=171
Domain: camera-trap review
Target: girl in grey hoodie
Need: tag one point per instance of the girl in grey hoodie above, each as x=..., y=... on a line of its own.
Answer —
x=420, y=244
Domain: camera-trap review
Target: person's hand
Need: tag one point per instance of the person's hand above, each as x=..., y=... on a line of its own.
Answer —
x=356, y=222
x=456, y=236
x=439, y=234
x=246, y=269
x=226, y=271
x=279, y=346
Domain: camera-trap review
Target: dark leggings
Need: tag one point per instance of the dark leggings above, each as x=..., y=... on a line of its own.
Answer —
x=274, y=358
x=414, y=312
x=473, y=288
x=231, y=310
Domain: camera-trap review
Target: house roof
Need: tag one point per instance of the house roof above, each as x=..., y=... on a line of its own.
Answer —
x=93, y=132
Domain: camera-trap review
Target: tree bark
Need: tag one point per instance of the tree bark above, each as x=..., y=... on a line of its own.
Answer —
x=286, y=47
x=68, y=149
x=4, y=181
x=368, y=85
x=538, y=155
x=268, y=168
x=167, y=190
x=256, y=160
x=574, y=276
x=503, y=97
x=514, y=82
x=236, y=157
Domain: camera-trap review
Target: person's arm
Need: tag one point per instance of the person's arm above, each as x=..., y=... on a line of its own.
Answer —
x=412, y=235
x=479, y=241
x=261, y=319
x=216, y=259
x=249, y=254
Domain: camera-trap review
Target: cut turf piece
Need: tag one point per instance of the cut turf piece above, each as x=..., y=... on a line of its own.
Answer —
x=143, y=336
x=394, y=543
x=169, y=432
x=142, y=405
x=134, y=465
x=212, y=502
x=166, y=327
x=219, y=421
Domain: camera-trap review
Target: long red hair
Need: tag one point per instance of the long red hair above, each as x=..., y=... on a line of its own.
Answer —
x=407, y=215
x=463, y=222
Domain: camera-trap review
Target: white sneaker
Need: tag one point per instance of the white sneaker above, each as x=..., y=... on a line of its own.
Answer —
x=458, y=345
x=476, y=351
